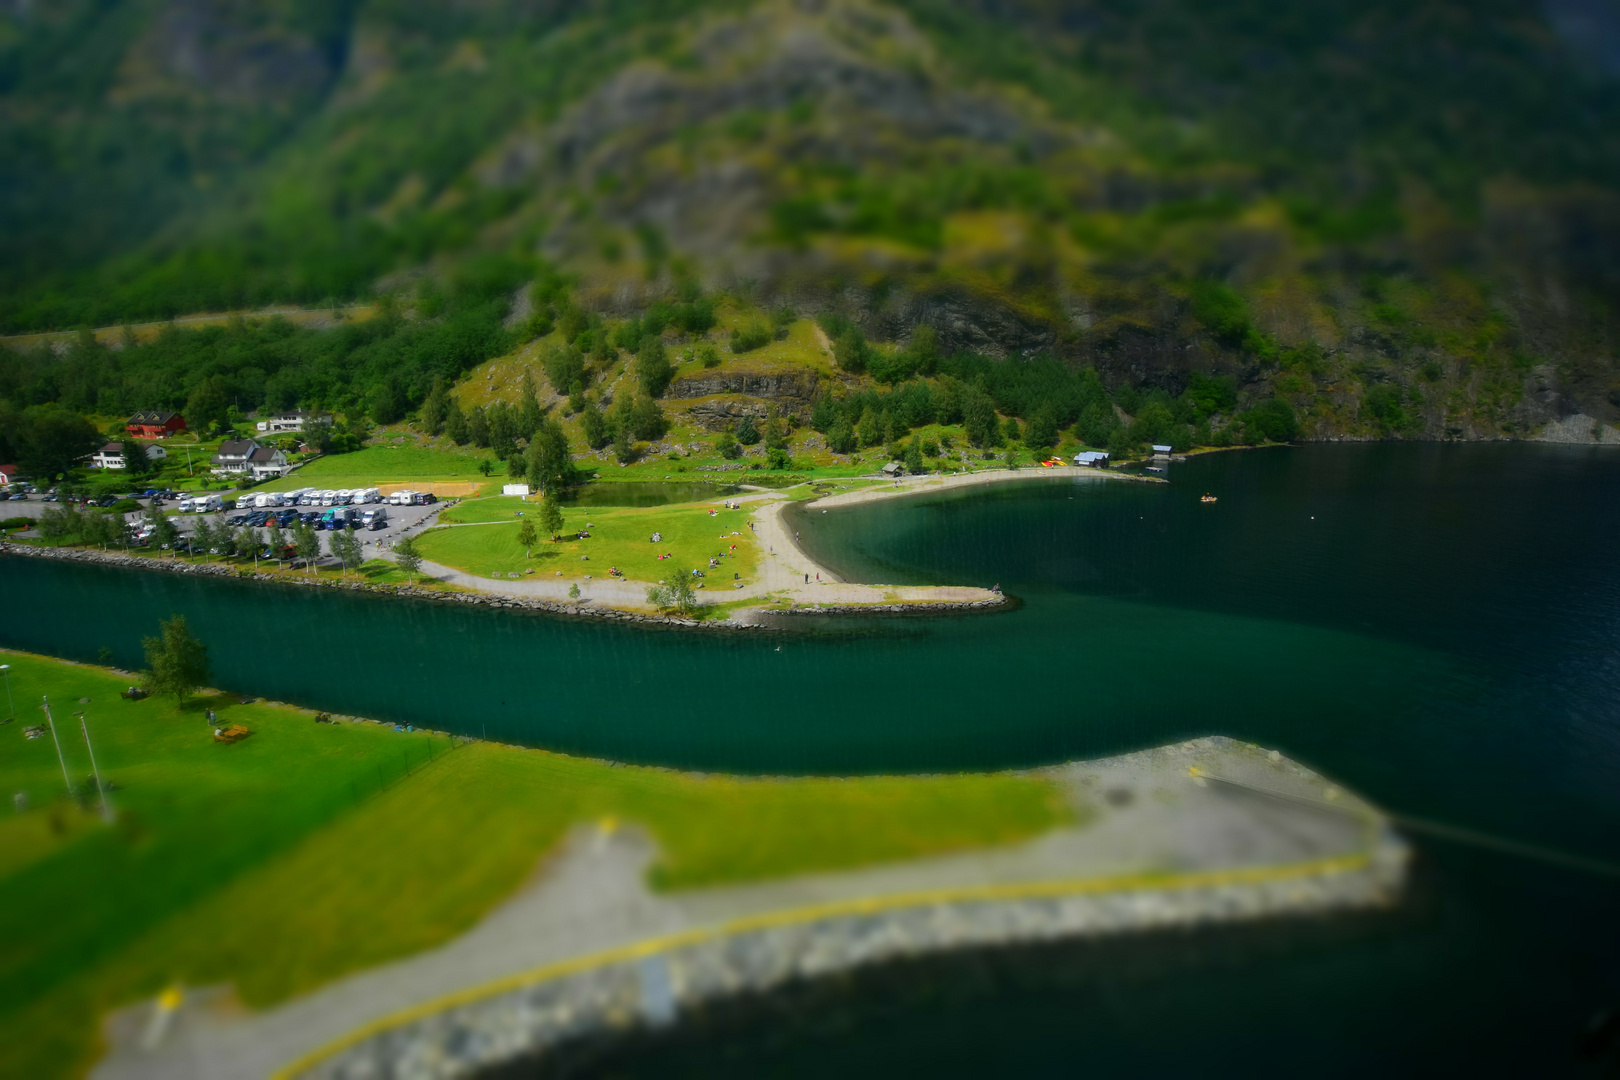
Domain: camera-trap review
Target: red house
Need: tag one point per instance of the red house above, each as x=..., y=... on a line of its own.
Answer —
x=155, y=425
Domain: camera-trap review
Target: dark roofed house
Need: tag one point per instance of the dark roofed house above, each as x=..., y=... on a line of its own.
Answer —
x=266, y=462
x=233, y=455
x=9, y=474
x=110, y=456
x=155, y=425
x=246, y=457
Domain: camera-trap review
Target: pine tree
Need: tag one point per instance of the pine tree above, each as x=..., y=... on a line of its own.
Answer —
x=455, y=422
x=436, y=408
x=527, y=418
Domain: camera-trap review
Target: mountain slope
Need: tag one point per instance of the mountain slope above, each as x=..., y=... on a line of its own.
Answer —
x=1399, y=217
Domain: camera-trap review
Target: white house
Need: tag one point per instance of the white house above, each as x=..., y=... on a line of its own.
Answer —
x=266, y=463
x=111, y=456
x=292, y=421
x=239, y=457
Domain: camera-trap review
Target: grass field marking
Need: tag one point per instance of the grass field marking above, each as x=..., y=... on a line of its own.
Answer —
x=873, y=905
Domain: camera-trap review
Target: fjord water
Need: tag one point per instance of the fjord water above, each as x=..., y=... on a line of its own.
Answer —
x=1437, y=626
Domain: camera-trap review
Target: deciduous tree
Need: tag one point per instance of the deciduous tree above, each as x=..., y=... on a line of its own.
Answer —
x=177, y=663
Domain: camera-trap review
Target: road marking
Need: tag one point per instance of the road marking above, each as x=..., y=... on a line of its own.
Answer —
x=1339, y=864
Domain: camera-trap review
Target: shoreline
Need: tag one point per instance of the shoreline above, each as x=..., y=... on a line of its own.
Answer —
x=663, y=958
x=783, y=588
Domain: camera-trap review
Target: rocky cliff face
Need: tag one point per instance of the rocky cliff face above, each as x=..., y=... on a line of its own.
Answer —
x=789, y=387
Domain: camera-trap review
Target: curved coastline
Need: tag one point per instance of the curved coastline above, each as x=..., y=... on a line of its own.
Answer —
x=791, y=580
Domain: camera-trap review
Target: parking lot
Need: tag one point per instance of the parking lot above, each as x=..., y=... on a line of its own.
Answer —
x=401, y=520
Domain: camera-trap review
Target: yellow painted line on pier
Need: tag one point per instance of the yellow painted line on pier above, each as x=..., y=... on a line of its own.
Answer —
x=816, y=913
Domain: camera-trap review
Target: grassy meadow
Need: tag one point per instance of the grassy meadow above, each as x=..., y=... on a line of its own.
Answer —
x=387, y=462
x=310, y=850
x=486, y=544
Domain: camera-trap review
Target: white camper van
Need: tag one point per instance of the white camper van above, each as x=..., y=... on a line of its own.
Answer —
x=374, y=518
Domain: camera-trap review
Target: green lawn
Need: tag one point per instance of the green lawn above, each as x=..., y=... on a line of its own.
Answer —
x=620, y=536
x=384, y=463
x=310, y=850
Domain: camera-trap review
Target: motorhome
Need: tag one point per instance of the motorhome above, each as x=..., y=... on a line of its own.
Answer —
x=328, y=498
x=374, y=518
x=400, y=498
x=369, y=495
x=207, y=504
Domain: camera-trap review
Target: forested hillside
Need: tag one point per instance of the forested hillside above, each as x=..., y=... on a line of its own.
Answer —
x=1393, y=219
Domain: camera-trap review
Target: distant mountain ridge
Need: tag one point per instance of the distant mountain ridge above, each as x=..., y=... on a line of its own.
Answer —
x=1399, y=217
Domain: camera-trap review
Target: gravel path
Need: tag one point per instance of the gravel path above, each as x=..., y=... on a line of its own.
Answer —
x=1143, y=813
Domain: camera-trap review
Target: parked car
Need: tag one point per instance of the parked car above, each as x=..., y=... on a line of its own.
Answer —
x=50, y=496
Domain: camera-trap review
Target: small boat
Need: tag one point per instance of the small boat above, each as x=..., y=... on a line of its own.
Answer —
x=1207, y=499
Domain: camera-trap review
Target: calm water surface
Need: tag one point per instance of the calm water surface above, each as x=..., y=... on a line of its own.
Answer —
x=1437, y=626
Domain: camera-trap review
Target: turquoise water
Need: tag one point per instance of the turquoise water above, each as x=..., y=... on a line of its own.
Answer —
x=1437, y=626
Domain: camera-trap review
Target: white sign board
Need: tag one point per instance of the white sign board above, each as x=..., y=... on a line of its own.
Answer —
x=515, y=489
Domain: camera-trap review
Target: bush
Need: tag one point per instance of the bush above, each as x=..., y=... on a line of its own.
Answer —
x=564, y=366
x=727, y=446
x=708, y=355
x=749, y=337
x=1383, y=404
x=1272, y=420
x=778, y=458
x=747, y=433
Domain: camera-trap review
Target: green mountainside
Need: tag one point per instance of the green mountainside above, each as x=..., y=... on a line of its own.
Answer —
x=1396, y=219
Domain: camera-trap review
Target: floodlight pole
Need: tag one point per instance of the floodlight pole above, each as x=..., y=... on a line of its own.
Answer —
x=106, y=811
x=59, y=758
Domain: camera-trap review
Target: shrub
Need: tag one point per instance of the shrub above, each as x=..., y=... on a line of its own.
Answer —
x=749, y=337
x=747, y=433
x=1272, y=420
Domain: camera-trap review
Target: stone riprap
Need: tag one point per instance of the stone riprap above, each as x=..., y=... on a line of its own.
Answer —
x=653, y=990
x=1207, y=832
